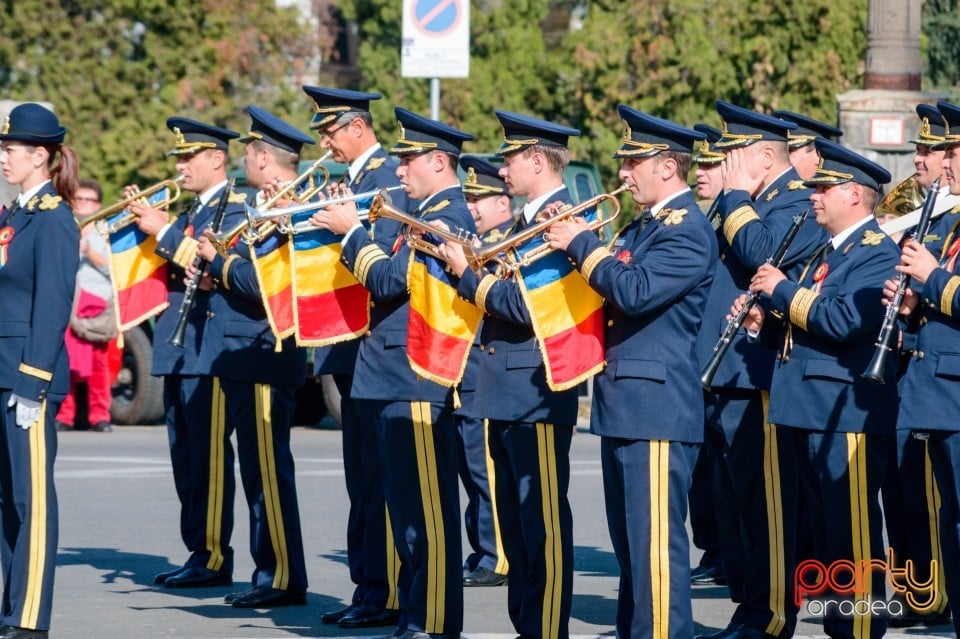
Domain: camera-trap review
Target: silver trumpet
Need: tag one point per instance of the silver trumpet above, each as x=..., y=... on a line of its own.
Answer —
x=284, y=213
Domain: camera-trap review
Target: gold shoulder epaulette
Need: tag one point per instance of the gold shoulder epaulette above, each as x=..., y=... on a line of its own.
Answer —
x=772, y=194
x=439, y=206
x=50, y=202
x=793, y=185
x=237, y=197
x=32, y=203
x=872, y=238
x=672, y=216
x=374, y=164
x=493, y=236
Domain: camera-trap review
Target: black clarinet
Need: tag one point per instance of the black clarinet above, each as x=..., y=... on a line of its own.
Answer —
x=190, y=293
x=714, y=211
x=726, y=338
x=885, y=344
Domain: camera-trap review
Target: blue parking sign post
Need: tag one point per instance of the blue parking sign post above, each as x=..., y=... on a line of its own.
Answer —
x=435, y=43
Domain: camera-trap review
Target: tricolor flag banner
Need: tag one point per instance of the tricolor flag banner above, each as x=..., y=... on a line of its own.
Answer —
x=138, y=274
x=567, y=317
x=441, y=325
x=272, y=263
x=330, y=305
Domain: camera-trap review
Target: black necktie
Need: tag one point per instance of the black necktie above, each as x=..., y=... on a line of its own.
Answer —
x=827, y=250
x=192, y=211
x=646, y=216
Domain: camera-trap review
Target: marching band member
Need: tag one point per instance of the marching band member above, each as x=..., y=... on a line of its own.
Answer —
x=254, y=382
x=655, y=284
x=803, y=152
x=414, y=416
x=39, y=257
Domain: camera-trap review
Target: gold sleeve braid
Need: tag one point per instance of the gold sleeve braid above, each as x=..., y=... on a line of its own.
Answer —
x=483, y=289
x=946, y=300
x=224, y=279
x=366, y=258
x=800, y=306
x=737, y=220
x=593, y=260
x=186, y=252
x=33, y=371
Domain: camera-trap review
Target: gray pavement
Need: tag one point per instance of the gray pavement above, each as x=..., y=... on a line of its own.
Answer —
x=119, y=526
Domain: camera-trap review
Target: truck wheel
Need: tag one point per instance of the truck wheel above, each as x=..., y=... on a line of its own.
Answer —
x=137, y=396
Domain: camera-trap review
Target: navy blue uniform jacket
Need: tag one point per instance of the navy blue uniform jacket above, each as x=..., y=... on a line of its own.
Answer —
x=819, y=386
x=749, y=234
x=37, y=279
x=655, y=286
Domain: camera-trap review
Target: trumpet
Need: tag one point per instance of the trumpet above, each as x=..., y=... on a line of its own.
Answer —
x=381, y=207
x=99, y=218
x=303, y=226
x=505, y=251
x=289, y=191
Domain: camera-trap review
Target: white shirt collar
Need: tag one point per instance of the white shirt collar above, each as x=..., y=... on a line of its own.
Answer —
x=842, y=236
x=207, y=195
x=530, y=208
x=656, y=208
x=24, y=197
x=357, y=165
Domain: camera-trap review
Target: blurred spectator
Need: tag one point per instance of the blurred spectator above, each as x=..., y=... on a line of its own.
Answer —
x=89, y=336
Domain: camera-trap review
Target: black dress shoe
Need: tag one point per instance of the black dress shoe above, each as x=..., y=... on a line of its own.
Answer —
x=334, y=616
x=61, y=427
x=198, y=577
x=102, y=427
x=161, y=577
x=263, y=597
x=11, y=632
x=701, y=576
x=721, y=634
x=366, y=616
x=484, y=577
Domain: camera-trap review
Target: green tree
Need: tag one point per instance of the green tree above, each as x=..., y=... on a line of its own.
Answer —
x=115, y=72
x=941, y=29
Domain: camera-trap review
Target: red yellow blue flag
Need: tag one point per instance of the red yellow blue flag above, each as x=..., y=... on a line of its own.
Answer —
x=567, y=317
x=272, y=263
x=330, y=305
x=138, y=274
x=441, y=325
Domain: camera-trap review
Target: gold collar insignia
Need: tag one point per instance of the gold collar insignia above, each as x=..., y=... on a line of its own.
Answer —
x=872, y=238
x=671, y=217
x=32, y=203
x=49, y=202
x=772, y=194
x=793, y=185
x=439, y=206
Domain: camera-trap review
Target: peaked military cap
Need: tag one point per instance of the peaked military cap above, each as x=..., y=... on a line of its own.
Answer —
x=647, y=135
x=933, y=126
x=706, y=150
x=522, y=131
x=483, y=178
x=418, y=134
x=807, y=129
x=269, y=128
x=31, y=122
x=192, y=136
x=742, y=127
x=951, y=131
x=839, y=165
x=330, y=104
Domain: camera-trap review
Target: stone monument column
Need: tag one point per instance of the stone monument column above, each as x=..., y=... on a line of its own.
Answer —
x=880, y=120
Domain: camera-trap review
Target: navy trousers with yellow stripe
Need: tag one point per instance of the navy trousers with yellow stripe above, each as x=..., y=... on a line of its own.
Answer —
x=479, y=482
x=911, y=510
x=944, y=449
x=28, y=507
x=532, y=467
x=262, y=416
x=840, y=474
x=373, y=561
x=758, y=536
x=202, y=459
x=645, y=486
x=418, y=458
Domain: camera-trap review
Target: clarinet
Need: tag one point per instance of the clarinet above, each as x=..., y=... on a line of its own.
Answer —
x=730, y=331
x=190, y=293
x=714, y=211
x=888, y=330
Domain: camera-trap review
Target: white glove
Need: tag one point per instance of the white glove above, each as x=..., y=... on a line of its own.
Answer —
x=28, y=411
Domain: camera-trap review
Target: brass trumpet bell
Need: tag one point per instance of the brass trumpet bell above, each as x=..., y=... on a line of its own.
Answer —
x=905, y=197
x=173, y=187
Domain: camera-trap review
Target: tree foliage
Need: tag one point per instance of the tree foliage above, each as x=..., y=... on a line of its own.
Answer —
x=116, y=71
x=941, y=28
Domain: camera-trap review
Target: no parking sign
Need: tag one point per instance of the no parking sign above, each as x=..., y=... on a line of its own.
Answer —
x=436, y=39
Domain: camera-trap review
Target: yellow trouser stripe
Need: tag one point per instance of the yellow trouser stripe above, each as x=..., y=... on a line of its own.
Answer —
x=860, y=520
x=502, y=565
x=393, y=566
x=271, y=493
x=552, y=551
x=215, y=486
x=432, y=516
x=771, y=481
x=660, y=538
x=38, y=521
x=938, y=599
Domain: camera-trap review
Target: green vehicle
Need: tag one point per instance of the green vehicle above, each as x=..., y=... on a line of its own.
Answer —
x=138, y=397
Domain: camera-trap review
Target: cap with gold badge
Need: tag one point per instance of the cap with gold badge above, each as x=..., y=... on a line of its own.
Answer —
x=192, y=136
x=839, y=165
x=807, y=129
x=32, y=122
x=266, y=127
x=522, y=131
x=483, y=178
x=418, y=134
x=742, y=127
x=330, y=104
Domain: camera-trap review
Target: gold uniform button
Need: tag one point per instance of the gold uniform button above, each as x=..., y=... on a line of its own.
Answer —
x=482, y=347
x=920, y=355
x=609, y=322
x=210, y=314
x=367, y=334
x=491, y=350
x=372, y=304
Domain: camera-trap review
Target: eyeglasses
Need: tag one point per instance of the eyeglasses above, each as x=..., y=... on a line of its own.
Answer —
x=83, y=198
x=329, y=133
